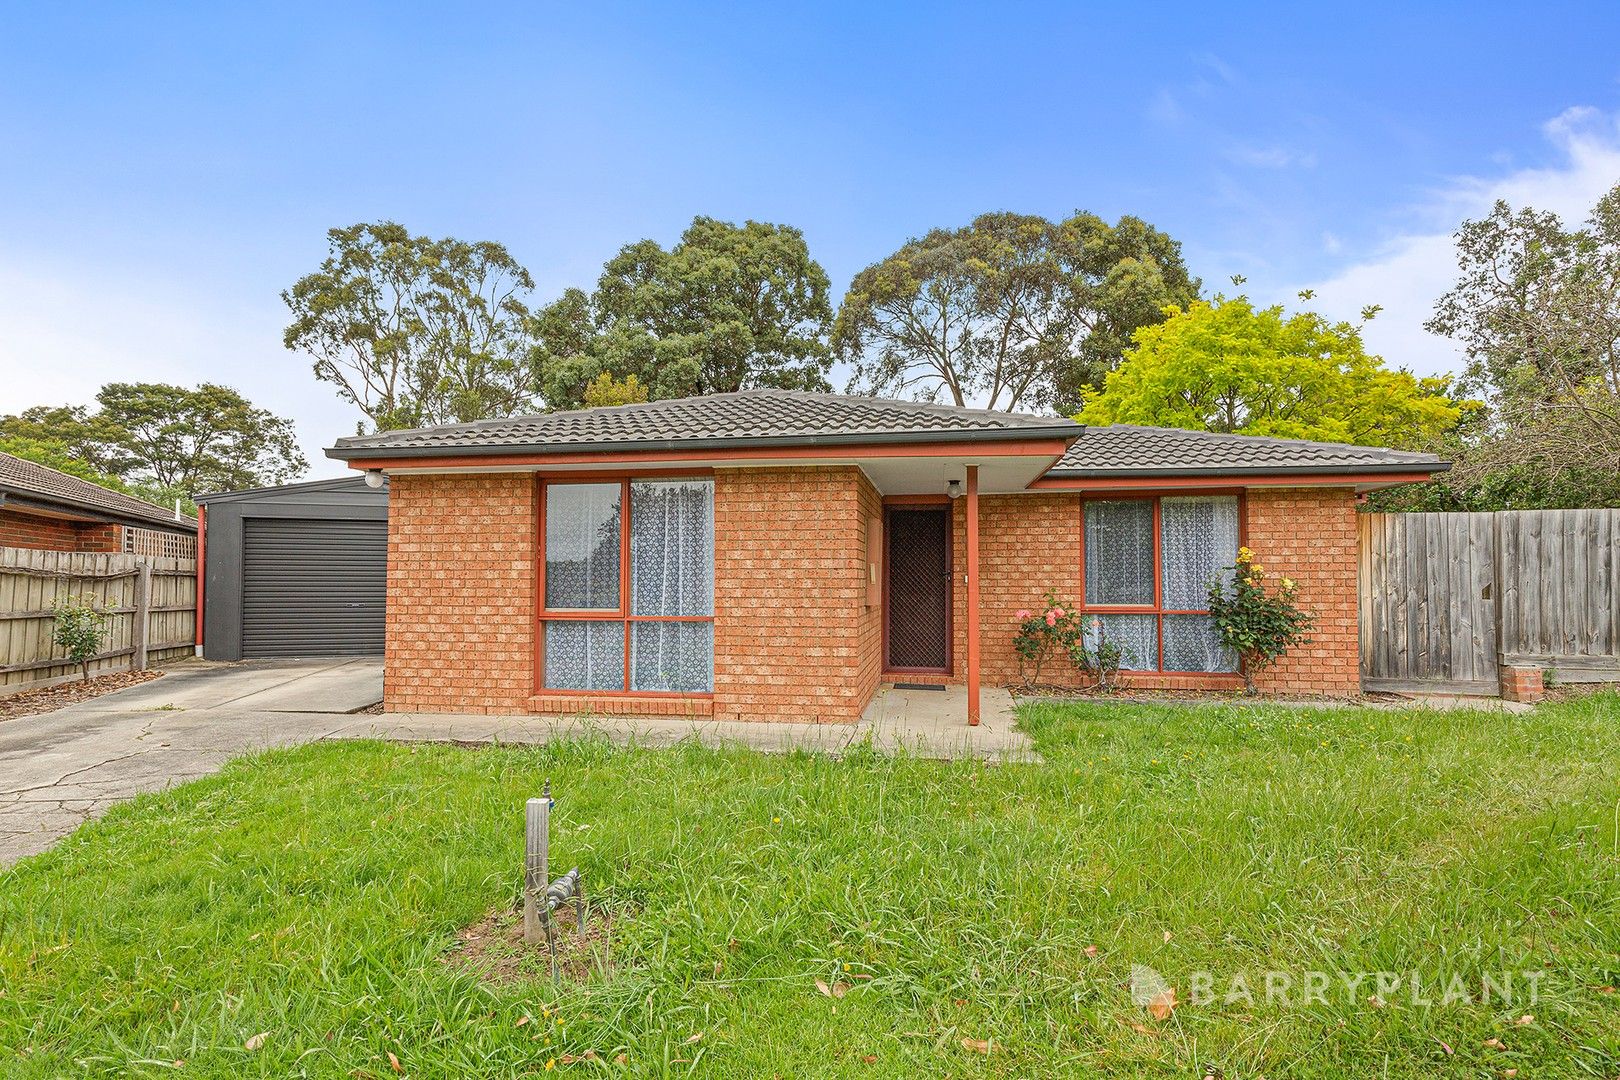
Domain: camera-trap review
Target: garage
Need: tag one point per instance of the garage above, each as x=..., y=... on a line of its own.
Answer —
x=294, y=571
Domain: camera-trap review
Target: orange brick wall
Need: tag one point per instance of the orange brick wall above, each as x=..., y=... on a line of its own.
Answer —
x=461, y=576
x=1031, y=542
x=793, y=637
x=57, y=534
x=1309, y=535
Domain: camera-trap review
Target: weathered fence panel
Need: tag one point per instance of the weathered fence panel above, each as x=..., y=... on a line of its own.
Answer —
x=1559, y=607
x=151, y=600
x=1446, y=599
x=1428, y=619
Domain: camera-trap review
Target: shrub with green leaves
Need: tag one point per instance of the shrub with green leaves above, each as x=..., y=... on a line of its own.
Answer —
x=81, y=630
x=1098, y=655
x=1259, y=625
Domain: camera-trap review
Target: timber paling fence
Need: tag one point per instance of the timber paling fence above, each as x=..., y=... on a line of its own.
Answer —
x=151, y=601
x=1448, y=599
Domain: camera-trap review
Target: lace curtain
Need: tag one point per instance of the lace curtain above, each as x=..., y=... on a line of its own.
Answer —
x=1198, y=541
x=1119, y=552
x=672, y=573
x=585, y=654
x=582, y=546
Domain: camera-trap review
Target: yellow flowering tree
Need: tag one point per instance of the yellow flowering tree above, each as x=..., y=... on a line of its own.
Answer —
x=1259, y=625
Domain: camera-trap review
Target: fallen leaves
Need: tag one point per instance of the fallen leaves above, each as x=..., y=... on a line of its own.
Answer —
x=1161, y=1005
x=393, y=1063
x=1091, y=952
x=977, y=1046
x=1495, y=1044
x=256, y=1041
x=836, y=990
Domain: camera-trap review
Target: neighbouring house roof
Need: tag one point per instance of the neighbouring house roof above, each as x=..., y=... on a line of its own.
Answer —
x=1125, y=450
x=761, y=418
x=27, y=486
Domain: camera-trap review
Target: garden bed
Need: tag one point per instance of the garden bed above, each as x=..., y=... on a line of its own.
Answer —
x=45, y=699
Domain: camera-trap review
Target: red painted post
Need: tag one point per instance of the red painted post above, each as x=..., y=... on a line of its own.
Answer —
x=973, y=595
x=202, y=572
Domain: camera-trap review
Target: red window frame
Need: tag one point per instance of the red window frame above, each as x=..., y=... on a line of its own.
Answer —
x=622, y=613
x=1157, y=608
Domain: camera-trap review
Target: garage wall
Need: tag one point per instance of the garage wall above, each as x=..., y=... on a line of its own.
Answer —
x=344, y=499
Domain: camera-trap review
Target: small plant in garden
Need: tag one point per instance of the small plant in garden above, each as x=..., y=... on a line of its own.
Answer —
x=1043, y=634
x=81, y=630
x=1098, y=655
x=1259, y=625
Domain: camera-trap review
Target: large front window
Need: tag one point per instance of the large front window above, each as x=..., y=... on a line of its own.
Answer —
x=629, y=605
x=1148, y=565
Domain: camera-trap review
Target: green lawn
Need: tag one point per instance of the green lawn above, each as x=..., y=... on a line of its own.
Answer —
x=312, y=894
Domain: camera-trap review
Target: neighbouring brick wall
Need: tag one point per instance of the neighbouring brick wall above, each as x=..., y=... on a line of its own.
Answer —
x=461, y=577
x=57, y=534
x=793, y=637
x=1309, y=535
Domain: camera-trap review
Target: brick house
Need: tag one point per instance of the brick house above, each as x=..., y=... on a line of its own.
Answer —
x=44, y=509
x=777, y=555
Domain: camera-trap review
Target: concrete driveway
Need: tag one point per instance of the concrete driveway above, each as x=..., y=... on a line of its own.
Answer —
x=61, y=768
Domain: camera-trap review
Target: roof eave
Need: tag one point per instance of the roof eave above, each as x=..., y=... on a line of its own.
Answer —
x=1067, y=432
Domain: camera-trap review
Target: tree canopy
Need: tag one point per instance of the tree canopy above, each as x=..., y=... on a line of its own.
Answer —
x=728, y=307
x=1012, y=310
x=1226, y=366
x=160, y=441
x=1537, y=309
x=416, y=331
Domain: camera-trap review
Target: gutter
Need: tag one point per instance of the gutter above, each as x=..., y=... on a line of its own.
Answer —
x=1254, y=470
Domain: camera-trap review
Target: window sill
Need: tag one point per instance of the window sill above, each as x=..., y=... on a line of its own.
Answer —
x=621, y=703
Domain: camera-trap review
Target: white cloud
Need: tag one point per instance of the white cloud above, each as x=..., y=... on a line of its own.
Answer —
x=1269, y=157
x=68, y=331
x=1412, y=270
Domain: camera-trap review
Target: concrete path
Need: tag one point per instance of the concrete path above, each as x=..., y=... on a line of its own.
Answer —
x=59, y=769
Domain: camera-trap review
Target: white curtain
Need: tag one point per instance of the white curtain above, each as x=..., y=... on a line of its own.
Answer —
x=1119, y=551
x=582, y=546
x=672, y=573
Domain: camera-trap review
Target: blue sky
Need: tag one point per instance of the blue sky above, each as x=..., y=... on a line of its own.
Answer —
x=166, y=170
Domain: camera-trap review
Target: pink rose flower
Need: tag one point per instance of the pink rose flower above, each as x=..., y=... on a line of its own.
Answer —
x=1051, y=618
x=1022, y=615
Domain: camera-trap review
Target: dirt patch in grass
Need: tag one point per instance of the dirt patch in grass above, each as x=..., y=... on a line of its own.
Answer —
x=32, y=702
x=494, y=950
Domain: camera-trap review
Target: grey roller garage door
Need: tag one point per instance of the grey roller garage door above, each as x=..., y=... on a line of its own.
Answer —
x=313, y=587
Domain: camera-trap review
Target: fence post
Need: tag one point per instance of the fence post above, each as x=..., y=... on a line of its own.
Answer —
x=140, y=633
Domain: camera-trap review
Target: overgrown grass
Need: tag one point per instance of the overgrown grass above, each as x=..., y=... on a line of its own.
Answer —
x=311, y=894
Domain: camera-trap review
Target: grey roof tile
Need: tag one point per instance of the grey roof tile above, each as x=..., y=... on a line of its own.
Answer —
x=768, y=417
x=1126, y=450
x=41, y=484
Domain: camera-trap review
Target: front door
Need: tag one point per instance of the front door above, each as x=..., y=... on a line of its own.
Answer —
x=917, y=589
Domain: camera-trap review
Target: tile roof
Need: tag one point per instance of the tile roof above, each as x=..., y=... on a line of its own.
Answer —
x=759, y=417
x=39, y=484
x=1125, y=450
